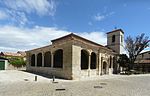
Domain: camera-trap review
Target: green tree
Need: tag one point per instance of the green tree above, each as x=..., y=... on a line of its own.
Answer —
x=123, y=61
x=17, y=62
x=134, y=46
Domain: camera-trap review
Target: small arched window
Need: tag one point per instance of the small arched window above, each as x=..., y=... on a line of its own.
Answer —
x=33, y=60
x=113, y=38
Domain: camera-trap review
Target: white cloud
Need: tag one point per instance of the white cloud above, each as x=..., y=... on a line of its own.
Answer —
x=40, y=7
x=13, y=17
x=3, y=15
x=14, y=38
x=16, y=11
x=100, y=17
x=98, y=37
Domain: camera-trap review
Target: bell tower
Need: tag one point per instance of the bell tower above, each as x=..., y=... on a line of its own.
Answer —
x=115, y=40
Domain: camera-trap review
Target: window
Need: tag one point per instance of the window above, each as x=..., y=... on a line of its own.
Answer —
x=113, y=38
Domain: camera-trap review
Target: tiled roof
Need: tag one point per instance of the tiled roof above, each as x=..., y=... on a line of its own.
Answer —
x=12, y=54
x=79, y=37
x=143, y=62
x=22, y=53
x=116, y=31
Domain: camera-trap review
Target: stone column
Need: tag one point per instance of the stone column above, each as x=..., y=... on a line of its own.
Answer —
x=99, y=63
x=108, y=64
x=89, y=64
x=101, y=66
x=42, y=59
x=112, y=62
x=112, y=69
x=52, y=61
x=35, y=59
x=28, y=59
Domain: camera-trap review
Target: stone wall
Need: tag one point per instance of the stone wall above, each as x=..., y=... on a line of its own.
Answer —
x=76, y=60
x=65, y=72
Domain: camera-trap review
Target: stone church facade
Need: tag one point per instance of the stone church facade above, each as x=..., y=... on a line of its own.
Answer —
x=74, y=57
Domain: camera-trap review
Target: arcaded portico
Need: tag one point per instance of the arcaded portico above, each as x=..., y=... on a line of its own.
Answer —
x=72, y=57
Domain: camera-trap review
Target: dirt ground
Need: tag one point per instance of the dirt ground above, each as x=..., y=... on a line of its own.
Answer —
x=20, y=83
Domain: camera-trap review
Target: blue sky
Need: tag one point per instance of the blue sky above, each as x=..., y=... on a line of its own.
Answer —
x=27, y=24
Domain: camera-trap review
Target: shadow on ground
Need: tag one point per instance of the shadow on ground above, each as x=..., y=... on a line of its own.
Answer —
x=43, y=75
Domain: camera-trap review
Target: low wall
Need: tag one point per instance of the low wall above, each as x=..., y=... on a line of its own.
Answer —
x=58, y=72
x=11, y=67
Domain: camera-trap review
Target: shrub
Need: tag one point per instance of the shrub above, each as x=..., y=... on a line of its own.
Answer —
x=17, y=62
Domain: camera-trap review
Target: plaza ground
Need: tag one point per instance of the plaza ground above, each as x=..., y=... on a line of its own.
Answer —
x=20, y=83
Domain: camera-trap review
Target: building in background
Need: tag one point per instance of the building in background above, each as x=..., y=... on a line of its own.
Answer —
x=15, y=60
x=12, y=54
x=3, y=63
x=142, y=62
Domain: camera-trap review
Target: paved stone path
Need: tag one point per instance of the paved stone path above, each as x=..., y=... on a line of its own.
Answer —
x=18, y=83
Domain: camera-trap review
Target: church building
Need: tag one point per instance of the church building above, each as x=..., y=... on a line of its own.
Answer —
x=74, y=57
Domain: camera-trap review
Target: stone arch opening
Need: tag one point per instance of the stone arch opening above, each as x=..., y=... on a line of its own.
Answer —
x=104, y=67
x=84, y=59
x=93, y=61
x=39, y=59
x=47, y=59
x=33, y=60
x=58, y=58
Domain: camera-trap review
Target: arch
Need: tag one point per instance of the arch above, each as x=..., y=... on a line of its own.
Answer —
x=93, y=61
x=113, y=38
x=39, y=59
x=84, y=59
x=104, y=67
x=58, y=58
x=33, y=60
x=47, y=59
